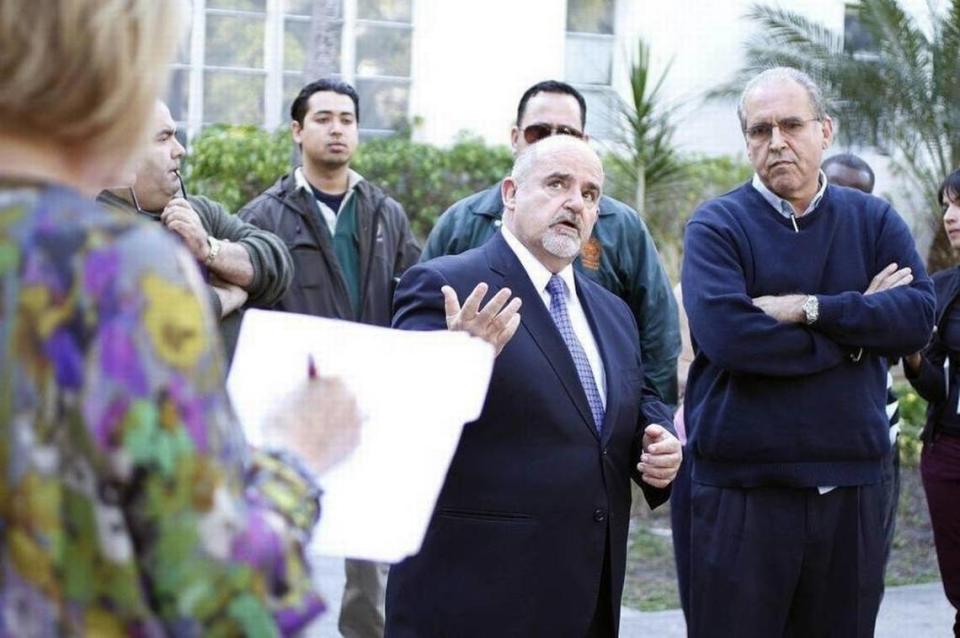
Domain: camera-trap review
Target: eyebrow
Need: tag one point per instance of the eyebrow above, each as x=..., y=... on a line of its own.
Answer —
x=166, y=131
x=328, y=112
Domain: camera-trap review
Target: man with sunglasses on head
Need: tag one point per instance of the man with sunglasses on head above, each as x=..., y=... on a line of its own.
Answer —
x=796, y=291
x=620, y=255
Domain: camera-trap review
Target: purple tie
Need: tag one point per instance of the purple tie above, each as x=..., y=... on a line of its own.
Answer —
x=558, y=311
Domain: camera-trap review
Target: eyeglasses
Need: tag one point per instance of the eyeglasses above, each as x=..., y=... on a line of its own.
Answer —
x=536, y=132
x=788, y=127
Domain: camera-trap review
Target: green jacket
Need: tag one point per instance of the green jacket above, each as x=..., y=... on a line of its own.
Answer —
x=620, y=256
x=272, y=263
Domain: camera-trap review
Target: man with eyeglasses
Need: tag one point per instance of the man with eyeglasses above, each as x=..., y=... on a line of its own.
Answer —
x=796, y=290
x=620, y=255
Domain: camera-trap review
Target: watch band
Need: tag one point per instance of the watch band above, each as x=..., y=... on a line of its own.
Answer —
x=214, y=245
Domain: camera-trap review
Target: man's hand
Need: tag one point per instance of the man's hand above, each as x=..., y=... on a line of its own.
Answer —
x=319, y=421
x=783, y=308
x=889, y=277
x=913, y=361
x=661, y=456
x=232, y=297
x=178, y=215
x=789, y=308
x=495, y=323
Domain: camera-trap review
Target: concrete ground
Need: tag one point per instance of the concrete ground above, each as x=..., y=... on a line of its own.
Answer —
x=913, y=611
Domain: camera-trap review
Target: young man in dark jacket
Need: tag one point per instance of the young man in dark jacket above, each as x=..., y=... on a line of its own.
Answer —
x=350, y=244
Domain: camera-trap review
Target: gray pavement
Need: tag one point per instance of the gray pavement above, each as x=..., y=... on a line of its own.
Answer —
x=914, y=611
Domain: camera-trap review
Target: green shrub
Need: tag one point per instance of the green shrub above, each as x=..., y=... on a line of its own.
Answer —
x=913, y=416
x=669, y=207
x=427, y=179
x=233, y=164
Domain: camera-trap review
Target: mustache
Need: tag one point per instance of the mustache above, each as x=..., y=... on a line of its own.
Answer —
x=564, y=216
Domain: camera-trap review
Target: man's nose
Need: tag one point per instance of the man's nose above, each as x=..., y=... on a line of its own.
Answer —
x=575, y=201
x=776, y=138
x=178, y=150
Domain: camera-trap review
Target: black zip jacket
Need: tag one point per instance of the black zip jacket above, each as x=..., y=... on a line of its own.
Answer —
x=384, y=241
x=936, y=380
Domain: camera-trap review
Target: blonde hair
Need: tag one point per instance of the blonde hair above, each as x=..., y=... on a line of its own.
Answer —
x=84, y=73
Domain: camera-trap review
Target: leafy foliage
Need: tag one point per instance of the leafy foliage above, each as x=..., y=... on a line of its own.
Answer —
x=427, y=179
x=901, y=99
x=233, y=164
x=651, y=159
x=913, y=416
x=672, y=206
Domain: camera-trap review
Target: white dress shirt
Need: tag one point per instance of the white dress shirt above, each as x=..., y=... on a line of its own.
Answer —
x=540, y=277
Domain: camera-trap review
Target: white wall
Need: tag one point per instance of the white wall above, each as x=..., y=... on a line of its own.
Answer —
x=473, y=60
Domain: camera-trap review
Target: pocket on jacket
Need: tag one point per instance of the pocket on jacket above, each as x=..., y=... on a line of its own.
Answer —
x=308, y=265
x=488, y=516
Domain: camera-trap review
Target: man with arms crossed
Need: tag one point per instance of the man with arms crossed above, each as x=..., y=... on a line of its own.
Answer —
x=245, y=265
x=795, y=290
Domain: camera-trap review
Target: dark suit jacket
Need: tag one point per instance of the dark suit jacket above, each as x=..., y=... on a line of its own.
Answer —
x=516, y=545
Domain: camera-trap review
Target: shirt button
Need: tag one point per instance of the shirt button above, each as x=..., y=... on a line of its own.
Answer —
x=599, y=515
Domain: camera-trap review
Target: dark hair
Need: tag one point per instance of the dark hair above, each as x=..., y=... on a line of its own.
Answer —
x=950, y=187
x=552, y=86
x=852, y=162
x=298, y=110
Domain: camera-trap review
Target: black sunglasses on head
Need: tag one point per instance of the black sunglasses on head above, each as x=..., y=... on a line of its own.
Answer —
x=536, y=132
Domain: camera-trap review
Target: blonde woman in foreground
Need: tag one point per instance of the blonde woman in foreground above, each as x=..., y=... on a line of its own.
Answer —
x=129, y=502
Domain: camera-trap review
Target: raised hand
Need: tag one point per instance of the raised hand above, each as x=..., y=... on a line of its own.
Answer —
x=495, y=323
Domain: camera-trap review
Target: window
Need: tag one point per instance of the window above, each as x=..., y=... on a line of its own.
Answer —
x=247, y=59
x=383, y=35
x=857, y=39
x=589, y=61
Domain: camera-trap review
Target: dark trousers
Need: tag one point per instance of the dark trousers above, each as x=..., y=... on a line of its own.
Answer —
x=940, y=470
x=770, y=562
x=891, y=481
x=680, y=529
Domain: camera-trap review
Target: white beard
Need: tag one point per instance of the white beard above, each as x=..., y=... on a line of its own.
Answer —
x=560, y=245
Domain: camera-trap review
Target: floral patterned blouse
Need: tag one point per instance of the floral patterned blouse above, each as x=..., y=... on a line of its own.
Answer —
x=130, y=504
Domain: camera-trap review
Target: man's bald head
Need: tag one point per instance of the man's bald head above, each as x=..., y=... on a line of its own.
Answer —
x=551, y=198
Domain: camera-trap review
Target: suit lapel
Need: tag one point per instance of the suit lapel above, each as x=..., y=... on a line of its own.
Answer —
x=590, y=305
x=536, y=320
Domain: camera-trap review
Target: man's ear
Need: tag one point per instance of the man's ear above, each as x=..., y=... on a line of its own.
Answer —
x=508, y=193
x=295, y=130
x=515, y=134
x=827, y=132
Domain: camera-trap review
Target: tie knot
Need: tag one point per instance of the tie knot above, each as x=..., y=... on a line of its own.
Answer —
x=555, y=287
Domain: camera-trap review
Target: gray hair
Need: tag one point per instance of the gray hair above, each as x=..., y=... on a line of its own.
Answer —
x=781, y=74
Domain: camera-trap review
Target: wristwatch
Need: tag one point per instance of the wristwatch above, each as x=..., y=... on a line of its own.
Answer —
x=811, y=309
x=214, y=245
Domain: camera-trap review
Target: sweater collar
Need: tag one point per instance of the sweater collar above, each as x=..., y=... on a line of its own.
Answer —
x=781, y=205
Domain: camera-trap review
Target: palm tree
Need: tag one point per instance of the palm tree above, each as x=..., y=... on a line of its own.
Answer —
x=903, y=97
x=651, y=160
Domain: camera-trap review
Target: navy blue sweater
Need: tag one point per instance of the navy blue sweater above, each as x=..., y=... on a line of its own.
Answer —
x=771, y=403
